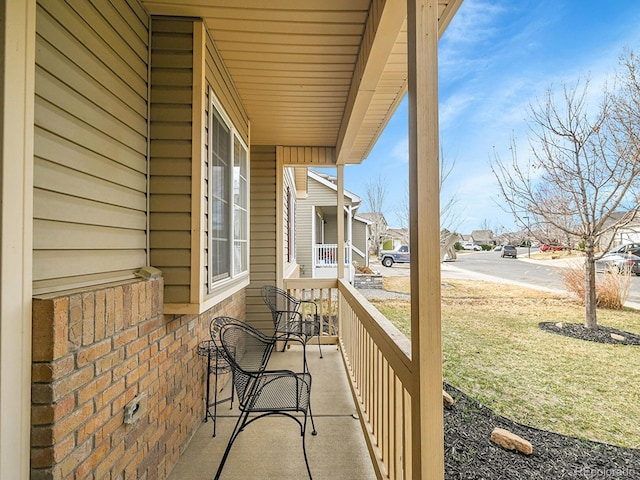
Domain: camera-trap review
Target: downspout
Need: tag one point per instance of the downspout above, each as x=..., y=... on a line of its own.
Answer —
x=148, y=152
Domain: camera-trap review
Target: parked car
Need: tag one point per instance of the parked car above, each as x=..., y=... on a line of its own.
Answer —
x=551, y=247
x=471, y=246
x=498, y=248
x=397, y=255
x=509, y=251
x=619, y=263
x=626, y=248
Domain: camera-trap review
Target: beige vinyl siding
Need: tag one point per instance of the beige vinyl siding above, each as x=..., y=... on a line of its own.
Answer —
x=289, y=218
x=322, y=195
x=309, y=156
x=170, y=182
x=217, y=79
x=305, y=211
x=90, y=143
x=263, y=234
x=359, y=232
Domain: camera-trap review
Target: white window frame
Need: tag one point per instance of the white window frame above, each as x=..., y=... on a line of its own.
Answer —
x=234, y=276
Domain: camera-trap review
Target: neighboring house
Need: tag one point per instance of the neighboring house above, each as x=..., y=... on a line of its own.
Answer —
x=378, y=230
x=317, y=229
x=399, y=236
x=483, y=237
x=143, y=154
x=628, y=233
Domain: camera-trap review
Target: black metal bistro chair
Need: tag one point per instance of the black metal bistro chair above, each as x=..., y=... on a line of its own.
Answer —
x=261, y=392
x=289, y=321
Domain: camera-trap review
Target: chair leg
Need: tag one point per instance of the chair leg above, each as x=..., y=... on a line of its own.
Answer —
x=319, y=320
x=304, y=444
x=240, y=424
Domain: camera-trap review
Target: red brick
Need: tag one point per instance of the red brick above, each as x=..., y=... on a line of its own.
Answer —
x=126, y=306
x=88, y=318
x=118, y=311
x=72, y=382
x=109, y=361
x=41, y=341
x=109, y=427
x=93, y=352
x=41, y=393
x=41, y=436
x=125, y=337
x=84, y=470
x=109, y=312
x=109, y=394
x=89, y=428
x=51, y=371
x=69, y=465
x=100, y=315
x=50, y=413
x=109, y=460
x=94, y=388
x=71, y=422
x=121, y=370
x=136, y=346
x=75, y=321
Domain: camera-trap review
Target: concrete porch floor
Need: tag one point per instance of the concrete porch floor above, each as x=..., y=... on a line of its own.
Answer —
x=272, y=447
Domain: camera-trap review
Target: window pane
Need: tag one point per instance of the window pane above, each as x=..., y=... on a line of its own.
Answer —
x=219, y=211
x=240, y=202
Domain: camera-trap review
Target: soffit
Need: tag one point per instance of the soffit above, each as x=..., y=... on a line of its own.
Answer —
x=293, y=64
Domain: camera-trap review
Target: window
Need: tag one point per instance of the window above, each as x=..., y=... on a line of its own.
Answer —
x=290, y=219
x=228, y=196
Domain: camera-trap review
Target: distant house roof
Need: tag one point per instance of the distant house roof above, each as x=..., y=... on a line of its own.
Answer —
x=484, y=236
x=330, y=181
x=360, y=218
x=398, y=233
x=374, y=217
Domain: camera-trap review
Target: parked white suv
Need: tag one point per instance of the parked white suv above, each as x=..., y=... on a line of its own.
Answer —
x=471, y=246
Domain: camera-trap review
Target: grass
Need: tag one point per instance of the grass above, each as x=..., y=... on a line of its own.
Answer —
x=494, y=351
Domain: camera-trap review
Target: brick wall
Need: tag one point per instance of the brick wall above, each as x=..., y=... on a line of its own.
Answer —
x=93, y=352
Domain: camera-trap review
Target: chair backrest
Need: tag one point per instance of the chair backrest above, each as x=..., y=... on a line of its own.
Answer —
x=279, y=301
x=215, y=326
x=246, y=350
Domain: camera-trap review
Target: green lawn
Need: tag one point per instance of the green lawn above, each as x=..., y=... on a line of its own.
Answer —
x=495, y=352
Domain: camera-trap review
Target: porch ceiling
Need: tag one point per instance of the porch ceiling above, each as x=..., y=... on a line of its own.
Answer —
x=313, y=72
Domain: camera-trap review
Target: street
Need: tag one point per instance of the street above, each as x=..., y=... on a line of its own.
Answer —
x=490, y=266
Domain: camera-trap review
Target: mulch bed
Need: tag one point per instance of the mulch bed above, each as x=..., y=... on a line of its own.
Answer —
x=470, y=454
x=602, y=334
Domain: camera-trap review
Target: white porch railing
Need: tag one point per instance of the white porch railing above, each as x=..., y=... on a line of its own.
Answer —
x=377, y=358
x=326, y=255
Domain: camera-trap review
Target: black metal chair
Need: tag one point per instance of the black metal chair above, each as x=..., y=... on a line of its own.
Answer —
x=289, y=321
x=260, y=391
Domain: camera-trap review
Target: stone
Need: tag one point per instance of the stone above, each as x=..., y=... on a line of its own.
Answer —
x=620, y=338
x=511, y=441
x=447, y=399
x=560, y=325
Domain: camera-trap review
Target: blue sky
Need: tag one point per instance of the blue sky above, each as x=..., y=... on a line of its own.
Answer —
x=496, y=58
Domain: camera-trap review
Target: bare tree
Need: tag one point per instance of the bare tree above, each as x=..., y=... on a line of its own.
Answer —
x=375, y=196
x=449, y=210
x=584, y=168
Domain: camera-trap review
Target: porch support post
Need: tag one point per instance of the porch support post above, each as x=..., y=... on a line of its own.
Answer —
x=340, y=220
x=17, y=57
x=426, y=344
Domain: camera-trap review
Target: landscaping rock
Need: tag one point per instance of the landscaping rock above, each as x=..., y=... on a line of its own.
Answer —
x=620, y=338
x=447, y=399
x=511, y=441
x=560, y=325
